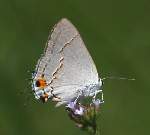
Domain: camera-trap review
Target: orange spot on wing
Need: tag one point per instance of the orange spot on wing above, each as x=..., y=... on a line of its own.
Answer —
x=41, y=83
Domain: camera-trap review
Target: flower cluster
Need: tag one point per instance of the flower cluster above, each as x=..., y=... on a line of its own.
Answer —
x=84, y=115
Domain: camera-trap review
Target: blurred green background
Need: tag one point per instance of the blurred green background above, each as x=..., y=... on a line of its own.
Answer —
x=117, y=34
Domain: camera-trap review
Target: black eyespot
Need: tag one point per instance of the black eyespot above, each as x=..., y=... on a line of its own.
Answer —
x=37, y=83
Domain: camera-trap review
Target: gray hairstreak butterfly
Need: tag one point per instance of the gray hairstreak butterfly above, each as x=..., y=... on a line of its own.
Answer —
x=65, y=71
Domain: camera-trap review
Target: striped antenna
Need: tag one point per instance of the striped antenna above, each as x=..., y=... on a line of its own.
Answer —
x=118, y=78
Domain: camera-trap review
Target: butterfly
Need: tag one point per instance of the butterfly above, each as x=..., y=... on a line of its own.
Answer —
x=65, y=72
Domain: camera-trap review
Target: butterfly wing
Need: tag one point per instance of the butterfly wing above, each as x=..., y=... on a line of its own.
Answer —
x=66, y=61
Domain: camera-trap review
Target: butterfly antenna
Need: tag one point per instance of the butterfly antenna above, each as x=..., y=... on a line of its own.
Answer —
x=118, y=78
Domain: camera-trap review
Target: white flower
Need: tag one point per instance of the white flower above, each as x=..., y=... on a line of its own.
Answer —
x=75, y=108
x=71, y=105
x=79, y=111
